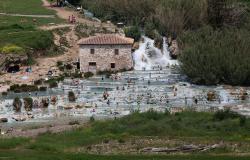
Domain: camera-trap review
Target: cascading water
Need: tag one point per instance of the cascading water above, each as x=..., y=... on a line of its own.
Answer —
x=149, y=56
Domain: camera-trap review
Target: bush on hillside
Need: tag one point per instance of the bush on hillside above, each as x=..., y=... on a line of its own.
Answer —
x=88, y=74
x=41, y=40
x=23, y=88
x=71, y=96
x=216, y=56
x=12, y=49
x=28, y=103
x=225, y=114
x=133, y=32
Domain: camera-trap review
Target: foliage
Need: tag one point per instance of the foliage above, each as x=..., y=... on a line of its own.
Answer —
x=190, y=126
x=88, y=74
x=12, y=49
x=53, y=82
x=59, y=63
x=43, y=89
x=71, y=96
x=167, y=15
x=225, y=114
x=23, y=88
x=24, y=7
x=216, y=56
x=28, y=103
x=133, y=32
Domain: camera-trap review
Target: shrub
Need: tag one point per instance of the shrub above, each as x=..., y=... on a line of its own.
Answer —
x=59, y=63
x=4, y=93
x=71, y=96
x=12, y=49
x=242, y=121
x=43, y=89
x=53, y=84
x=68, y=66
x=23, y=88
x=38, y=82
x=88, y=74
x=74, y=123
x=41, y=40
x=226, y=114
x=28, y=103
x=133, y=32
x=216, y=56
x=92, y=119
x=17, y=104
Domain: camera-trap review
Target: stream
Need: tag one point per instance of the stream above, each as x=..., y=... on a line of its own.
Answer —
x=155, y=83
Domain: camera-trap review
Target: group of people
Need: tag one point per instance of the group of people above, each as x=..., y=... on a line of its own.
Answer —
x=72, y=19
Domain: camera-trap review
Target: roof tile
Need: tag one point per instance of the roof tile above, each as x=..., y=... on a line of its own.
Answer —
x=106, y=39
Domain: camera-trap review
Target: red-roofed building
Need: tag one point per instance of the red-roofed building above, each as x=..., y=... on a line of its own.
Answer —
x=105, y=52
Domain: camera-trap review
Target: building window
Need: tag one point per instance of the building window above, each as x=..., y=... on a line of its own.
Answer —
x=116, y=51
x=92, y=51
x=112, y=65
x=92, y=63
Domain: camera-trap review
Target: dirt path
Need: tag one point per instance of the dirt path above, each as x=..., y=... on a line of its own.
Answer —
x=64, y=14
x=72, y=53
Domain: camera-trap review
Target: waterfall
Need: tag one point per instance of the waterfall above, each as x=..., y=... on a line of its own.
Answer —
x=149, y=56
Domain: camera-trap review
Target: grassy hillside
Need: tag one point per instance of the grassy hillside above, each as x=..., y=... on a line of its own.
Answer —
x=32, y=7
x=23, y=31
x=186, y=127
x=203, y=51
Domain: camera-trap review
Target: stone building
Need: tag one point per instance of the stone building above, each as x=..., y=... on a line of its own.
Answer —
x=105, y=52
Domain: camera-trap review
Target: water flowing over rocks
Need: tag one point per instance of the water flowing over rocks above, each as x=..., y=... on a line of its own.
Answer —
x=155, y=83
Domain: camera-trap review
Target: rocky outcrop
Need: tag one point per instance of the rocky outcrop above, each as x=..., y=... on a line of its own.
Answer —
x=243, y=94
x=184, y=148
x=3, y=120
x=211, y=96
x=173, y=48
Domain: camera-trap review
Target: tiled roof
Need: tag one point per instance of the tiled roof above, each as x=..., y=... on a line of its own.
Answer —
x=106, y=39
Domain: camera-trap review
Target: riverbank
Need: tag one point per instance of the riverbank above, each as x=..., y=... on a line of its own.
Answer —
x=185, y=135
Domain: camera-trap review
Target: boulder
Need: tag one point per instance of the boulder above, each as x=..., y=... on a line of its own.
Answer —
x=174, y=49
x=3, y=120
x=243, y=94
x=19, y=118
x=211, y=96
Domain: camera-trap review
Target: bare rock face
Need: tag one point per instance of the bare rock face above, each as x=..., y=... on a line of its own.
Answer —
x=174, y=49
x=44, y=103
x=136, y=46
x=17, y=105
x=53, y=100
x=211, y=96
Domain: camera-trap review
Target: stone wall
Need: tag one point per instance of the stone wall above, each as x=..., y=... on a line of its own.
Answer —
x=105, y=55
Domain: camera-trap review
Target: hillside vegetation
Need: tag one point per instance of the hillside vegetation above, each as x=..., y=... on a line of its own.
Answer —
x=213, y=34
x=31, y=7
x=20, y=35
x=186, y=127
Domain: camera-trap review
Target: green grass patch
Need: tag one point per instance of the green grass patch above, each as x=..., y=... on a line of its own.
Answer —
x=33, y=7
x=12, y=143
x=27, y=155
x=10, y=20
x=187, y=126
x=23, y=32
